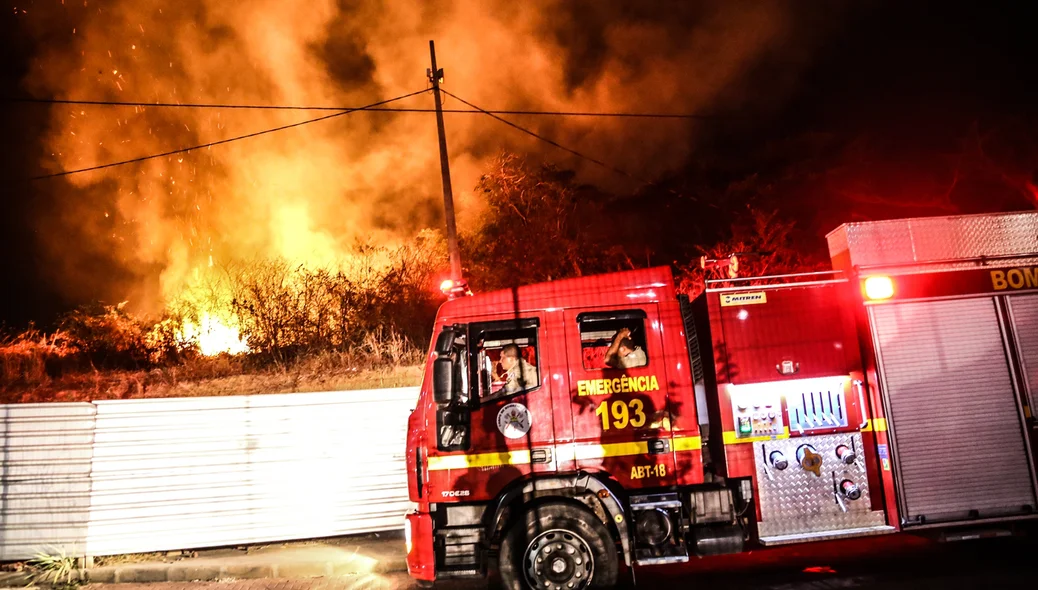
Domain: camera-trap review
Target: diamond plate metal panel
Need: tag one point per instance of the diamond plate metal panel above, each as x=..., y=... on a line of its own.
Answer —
x=795, y=501
x=931, y=239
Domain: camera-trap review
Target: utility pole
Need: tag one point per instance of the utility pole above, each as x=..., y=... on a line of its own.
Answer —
x=435, y=75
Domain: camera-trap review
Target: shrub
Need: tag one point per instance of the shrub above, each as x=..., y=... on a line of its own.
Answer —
x=32, y=357
x=56, y=568
x=373, y=310
x=108, y=336
x=284, y=311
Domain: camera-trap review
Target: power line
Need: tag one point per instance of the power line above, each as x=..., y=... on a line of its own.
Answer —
x=229, y=140
x=111, y=103
x=493, y=114
x=545, y=139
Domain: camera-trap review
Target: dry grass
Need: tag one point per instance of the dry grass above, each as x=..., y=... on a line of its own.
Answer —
x=177, y=382
x=35, y=367
x=41, y=369
x=27, y=357
x=127, y=558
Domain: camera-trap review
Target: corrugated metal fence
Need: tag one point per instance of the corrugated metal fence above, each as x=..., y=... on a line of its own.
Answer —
x=150, y=475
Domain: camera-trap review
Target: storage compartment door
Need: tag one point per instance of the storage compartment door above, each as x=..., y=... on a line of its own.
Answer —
x=1024, y=309
x=953, y=413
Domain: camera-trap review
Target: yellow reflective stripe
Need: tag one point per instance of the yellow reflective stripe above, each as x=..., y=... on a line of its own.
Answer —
x=610, y=450
x=565, y=452
x=687, y=443
x=875, y=424
x=479, y=460
x=731, y=438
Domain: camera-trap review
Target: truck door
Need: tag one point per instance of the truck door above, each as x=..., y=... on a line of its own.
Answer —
x=621, y=421
x=509, y=415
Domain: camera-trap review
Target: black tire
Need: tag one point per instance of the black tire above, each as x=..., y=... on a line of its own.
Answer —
x=574, y=544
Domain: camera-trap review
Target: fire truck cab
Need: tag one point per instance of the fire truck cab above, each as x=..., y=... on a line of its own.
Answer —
x=567, y=427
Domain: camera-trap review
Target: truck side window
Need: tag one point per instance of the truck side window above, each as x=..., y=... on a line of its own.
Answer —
x=506, y=356
x=598, y=330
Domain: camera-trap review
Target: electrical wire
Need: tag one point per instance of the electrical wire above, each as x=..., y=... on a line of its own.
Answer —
x=545, y=139
x=228, y=140
x=372, y=109
x=493, y=114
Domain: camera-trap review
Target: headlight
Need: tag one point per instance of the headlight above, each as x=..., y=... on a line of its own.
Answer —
x=407, y=535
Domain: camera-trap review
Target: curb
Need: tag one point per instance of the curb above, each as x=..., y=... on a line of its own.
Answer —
x=185, y=572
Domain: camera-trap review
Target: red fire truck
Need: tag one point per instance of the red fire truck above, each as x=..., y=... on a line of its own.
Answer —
x=890, y=394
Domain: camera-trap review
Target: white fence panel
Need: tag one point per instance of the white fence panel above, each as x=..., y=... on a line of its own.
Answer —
x=45, y=456
x=202, y=472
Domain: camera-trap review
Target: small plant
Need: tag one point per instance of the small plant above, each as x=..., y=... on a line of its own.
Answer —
x=55, y=568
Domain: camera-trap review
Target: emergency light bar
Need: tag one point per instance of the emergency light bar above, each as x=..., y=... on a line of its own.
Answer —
x=453, y=289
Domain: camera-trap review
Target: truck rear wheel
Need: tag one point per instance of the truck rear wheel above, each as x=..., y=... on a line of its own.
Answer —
x=558, y=547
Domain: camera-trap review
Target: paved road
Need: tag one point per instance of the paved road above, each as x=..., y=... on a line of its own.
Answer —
x=966, y=566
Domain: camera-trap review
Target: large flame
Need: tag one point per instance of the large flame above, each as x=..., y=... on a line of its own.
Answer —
x=213, y=336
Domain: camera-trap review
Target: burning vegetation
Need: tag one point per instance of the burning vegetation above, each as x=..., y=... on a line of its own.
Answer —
x=304, y=256
x=290, y=327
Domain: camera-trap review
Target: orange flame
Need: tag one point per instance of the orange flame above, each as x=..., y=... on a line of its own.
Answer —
x=213, y=336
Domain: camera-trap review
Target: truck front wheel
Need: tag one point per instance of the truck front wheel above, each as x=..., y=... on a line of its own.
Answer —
x=558, y=547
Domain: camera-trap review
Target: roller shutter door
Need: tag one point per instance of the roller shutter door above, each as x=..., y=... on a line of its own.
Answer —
x=953, y=412
x=1025, y=317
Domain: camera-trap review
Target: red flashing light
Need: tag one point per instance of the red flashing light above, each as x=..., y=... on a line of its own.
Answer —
x=879, y=287
x=453, y=289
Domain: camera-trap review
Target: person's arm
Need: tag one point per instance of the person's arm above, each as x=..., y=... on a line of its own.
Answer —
x=611, y=356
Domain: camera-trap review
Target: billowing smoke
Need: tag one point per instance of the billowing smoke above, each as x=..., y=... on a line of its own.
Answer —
x=312, y=193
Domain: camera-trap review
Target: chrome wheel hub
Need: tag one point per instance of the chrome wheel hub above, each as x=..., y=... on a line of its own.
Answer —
x=558, y=560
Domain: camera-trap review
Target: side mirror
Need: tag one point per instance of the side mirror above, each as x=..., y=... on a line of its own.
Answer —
x=445, y=341
x=443, y=380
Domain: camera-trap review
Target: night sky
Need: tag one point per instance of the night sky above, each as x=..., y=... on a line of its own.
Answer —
x=912, y=80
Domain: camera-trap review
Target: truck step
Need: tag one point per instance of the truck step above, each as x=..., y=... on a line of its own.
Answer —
x=647, y=501
x=658, y=537
x=825, y=535
x=973, y=534
x=459, y=551
x=450, y=573
x=644, y=558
